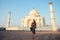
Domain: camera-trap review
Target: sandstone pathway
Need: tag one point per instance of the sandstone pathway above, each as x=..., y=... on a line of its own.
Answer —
x=23, y=35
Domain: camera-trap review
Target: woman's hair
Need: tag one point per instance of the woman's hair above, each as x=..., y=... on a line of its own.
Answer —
x=33, y=20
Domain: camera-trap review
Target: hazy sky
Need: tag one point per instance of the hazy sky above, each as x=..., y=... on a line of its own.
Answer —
x=21, y=8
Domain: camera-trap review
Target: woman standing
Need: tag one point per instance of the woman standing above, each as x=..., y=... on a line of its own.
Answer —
x=33, y=27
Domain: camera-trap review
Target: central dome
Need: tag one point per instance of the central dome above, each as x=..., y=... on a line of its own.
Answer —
x=33, y=12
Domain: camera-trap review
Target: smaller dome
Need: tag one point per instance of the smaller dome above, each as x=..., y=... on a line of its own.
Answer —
x=33, y=12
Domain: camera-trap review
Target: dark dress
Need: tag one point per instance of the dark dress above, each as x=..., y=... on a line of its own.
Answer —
x=33, y=26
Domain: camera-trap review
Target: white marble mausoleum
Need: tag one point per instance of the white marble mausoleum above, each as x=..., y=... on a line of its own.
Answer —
x=40, y=21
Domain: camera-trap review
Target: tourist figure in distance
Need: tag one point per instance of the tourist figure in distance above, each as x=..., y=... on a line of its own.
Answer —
x=33, y=27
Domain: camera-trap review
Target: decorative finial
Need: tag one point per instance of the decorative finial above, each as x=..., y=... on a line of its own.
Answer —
x=50, y=2
x=33, y=8
x=9, y=12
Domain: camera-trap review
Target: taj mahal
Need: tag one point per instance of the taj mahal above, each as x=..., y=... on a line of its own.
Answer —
x=40, y=21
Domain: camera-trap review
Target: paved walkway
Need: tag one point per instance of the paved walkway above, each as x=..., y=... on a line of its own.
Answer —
x=22, y=35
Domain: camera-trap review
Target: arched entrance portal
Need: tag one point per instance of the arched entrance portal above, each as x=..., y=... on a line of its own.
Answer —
x=29, y=22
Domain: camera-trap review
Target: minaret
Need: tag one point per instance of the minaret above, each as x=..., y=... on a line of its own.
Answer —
x=52, y=18
x=8, y=21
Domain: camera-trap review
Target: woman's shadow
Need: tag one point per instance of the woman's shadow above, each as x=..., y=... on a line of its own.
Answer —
x=36, y=37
